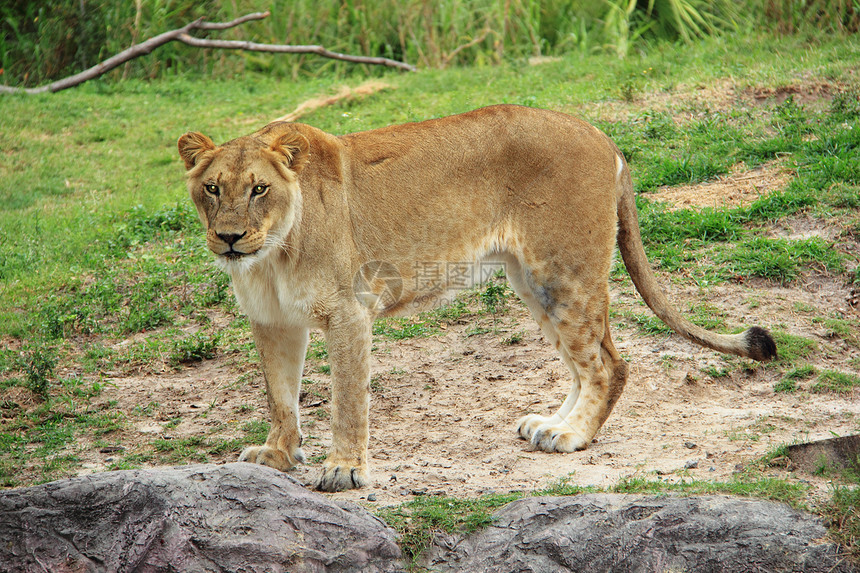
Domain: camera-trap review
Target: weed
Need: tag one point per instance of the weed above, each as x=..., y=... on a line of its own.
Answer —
x=225, y=446
x=494, y=297
x=147, y=410
x=565, y=486
x=514, y=338
x=789, y=381
x=194, y=348
x=178, y=450
x=317, y=350
x=717, y=373
x=838, y=327
x=845, y=105
x=449, y=313
x=40, y=364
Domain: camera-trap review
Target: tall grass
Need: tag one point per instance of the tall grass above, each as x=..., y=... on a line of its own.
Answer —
x=48, y=40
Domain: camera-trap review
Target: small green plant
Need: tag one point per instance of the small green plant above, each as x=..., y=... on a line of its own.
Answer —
x=194, y=348
x=789, y=381
x=494, y=297
x=317, y=350
x=40, y=362
x=842, y=328
x=514, y=338
x=147, y=410
x=781, y=259
x=717, y=373
x=845, y=105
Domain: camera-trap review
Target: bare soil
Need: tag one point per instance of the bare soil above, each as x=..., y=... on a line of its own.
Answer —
x=445, y=407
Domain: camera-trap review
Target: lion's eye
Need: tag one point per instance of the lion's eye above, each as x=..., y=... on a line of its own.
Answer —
x=211, y=189
x=260, y=189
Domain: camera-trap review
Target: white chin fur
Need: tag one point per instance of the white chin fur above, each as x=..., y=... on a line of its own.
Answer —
x=234, y=266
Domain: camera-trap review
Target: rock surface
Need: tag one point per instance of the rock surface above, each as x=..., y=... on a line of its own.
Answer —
x=248, y=518
x=615, y=532
x=235, y=517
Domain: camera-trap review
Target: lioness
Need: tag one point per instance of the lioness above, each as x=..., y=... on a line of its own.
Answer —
x=319, y=231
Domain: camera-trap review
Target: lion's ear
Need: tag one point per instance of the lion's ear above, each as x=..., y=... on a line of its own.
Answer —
x=294, y=147
x=191, y=146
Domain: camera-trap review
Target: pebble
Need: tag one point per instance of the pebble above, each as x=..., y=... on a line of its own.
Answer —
x=691, y=464
x=371, y=497
x=690, y=445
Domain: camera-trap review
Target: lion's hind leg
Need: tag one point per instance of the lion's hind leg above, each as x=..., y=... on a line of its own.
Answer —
x=602, y=374
x=579, y=330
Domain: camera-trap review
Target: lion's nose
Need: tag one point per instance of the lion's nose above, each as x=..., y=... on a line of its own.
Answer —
x=230, y=238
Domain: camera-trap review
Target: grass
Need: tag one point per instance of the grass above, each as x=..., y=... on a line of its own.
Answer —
x=836, y=382
x=417, y=520
x=774, y=489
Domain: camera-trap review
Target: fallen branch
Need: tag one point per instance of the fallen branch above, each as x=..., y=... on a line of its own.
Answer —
x=182, y=35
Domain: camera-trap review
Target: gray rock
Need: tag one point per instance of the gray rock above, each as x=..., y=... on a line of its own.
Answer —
x=236, y=517
x=615, y=532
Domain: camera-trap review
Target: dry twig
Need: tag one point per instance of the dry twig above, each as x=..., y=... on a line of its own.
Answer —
x=346, y=92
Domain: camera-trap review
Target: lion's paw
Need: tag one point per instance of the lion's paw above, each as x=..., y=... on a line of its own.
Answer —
x=268, y=456
x=339, y=477
x=527, y=425
x=558, y=438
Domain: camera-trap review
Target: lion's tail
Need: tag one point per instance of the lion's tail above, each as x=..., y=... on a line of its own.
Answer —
x=755, y=342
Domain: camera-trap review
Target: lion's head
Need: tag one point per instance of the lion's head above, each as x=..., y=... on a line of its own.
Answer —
x=246, y=191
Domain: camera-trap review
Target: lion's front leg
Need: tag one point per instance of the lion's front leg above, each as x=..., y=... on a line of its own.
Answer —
x=282, y=353
x=349, y=340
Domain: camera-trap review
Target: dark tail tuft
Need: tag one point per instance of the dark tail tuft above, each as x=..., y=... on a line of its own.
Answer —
x=760, y=344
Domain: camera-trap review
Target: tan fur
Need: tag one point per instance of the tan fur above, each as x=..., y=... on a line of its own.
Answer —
x=539, y=191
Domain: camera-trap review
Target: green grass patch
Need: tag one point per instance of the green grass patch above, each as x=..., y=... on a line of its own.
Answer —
x=402, y=328
x=759, y=487
x=647, y=323
x=844, y=517
x=416, y=520
x=790, y=379
x=832, y=381
x=781, y=260
x=792, y=348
